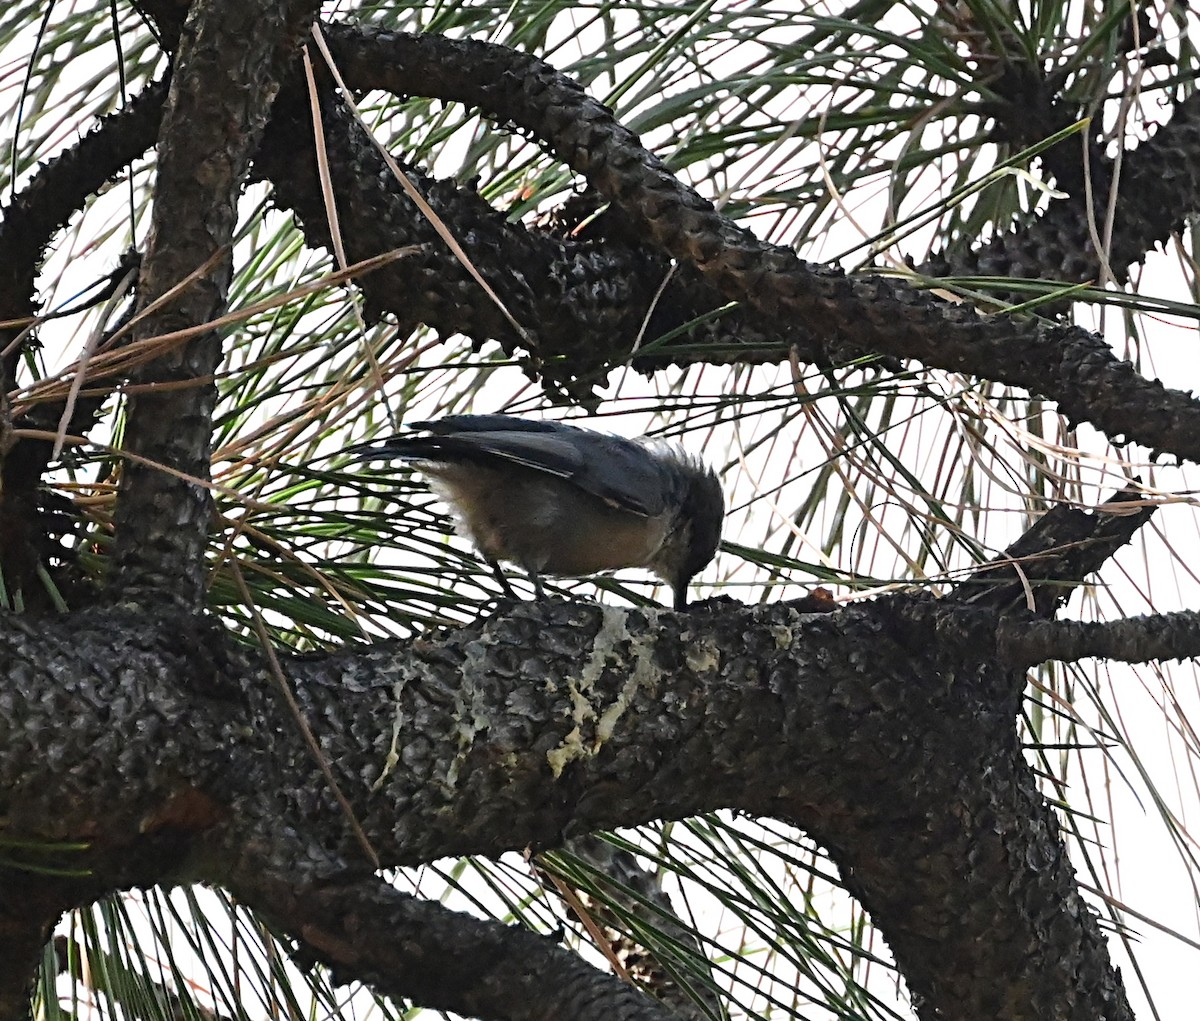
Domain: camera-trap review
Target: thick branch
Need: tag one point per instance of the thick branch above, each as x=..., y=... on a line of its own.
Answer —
x=865, y=314
x=227, y=70
x=27, y=226
x=1158, y=189
x=56, y=192
x=885, y=730
x=579, y=304
x=416, y=950
x=566, y=280
x=29, y=909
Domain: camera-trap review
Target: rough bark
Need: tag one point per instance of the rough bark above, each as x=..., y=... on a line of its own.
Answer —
x=598, y=293
x=412, y=949
x=1159, y=188
x=227, y=71
x=852, y=314
x=885, y=731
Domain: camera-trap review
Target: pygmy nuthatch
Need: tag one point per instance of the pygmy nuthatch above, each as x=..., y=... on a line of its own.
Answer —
x=556, y=499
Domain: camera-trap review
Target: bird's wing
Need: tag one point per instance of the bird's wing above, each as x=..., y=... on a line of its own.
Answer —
x=544, y=452
x=620, y=472
x=623, y=473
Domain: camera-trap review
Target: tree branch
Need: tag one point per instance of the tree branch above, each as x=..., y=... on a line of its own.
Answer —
x=408, y=949
x=862, y=314
x=1158, y=189
x=1049, y=560
x=28, y=225
x=885, y=730
x=1159, y=636
x=231, y=56
x=580, y=304
x=58, y=190
x=29, y=909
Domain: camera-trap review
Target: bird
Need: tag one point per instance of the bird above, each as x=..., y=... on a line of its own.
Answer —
x=560, y=500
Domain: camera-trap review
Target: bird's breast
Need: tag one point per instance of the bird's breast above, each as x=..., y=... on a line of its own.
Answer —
x=546, y=524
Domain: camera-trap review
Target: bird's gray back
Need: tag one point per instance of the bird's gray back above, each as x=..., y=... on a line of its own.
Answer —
x=621, y=472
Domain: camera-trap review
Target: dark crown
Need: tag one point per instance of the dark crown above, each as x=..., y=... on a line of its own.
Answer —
x=702, y=512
